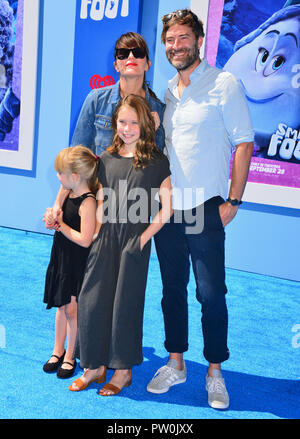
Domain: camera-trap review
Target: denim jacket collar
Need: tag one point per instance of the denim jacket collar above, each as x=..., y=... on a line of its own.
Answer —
x=116, y=95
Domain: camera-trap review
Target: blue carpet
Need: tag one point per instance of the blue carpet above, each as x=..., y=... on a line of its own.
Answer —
x=262, y=374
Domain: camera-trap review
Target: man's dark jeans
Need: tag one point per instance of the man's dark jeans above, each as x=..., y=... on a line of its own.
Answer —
x=175, y=246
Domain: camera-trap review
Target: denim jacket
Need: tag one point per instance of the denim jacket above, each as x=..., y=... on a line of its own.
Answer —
x=94, y=129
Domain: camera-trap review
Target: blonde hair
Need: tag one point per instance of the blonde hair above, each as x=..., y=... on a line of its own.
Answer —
x=79, y=160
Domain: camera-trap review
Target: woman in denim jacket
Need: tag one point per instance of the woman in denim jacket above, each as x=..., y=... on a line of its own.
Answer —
x=93, y=128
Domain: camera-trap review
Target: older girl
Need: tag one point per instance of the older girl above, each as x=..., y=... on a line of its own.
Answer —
x=111, y=302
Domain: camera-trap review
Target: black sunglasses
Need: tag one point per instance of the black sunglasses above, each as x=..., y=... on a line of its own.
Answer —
x=180, y=14
x=138, y=52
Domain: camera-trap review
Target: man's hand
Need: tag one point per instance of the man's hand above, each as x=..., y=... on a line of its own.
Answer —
x=227, y=212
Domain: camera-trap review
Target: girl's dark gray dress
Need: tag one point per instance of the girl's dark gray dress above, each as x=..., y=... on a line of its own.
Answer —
x=111, y=301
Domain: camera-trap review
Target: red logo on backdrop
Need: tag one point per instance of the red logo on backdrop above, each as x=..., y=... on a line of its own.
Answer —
x=97, y=81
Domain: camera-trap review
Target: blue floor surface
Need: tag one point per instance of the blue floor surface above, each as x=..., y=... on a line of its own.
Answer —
x=262, y=374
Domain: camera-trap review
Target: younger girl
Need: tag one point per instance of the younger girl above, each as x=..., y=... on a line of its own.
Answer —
x=111, y=303
x=77, y=172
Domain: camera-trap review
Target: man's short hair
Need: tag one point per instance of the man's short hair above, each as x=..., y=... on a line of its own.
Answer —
x=182, y=17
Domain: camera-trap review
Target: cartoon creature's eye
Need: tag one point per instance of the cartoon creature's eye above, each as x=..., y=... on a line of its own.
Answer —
x=262, y=58
x=278, y=61
x=266, y=64
x=274, y=65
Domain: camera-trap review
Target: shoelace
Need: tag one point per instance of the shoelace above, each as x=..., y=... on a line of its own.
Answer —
x=216, y=385
x=166, y=372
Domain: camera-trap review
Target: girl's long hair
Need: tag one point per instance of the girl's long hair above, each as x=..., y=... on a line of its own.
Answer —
x=146, y=148
x=79, y=160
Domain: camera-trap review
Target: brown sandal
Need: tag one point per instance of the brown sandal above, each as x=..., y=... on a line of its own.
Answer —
x=114, y=388
x=81, y=385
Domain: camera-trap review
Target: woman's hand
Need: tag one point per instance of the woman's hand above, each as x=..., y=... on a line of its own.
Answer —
x=156, y=119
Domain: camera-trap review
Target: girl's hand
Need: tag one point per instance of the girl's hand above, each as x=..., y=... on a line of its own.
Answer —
x=56, y=210
x=58, y=221
x=143, y=241
x=59, y=217
x=48, y=218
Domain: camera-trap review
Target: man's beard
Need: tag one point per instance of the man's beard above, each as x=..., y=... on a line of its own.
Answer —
x=192, y=56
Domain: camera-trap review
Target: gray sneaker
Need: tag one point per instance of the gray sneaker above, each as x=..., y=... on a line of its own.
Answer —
x=217, y=394
x=166, y=377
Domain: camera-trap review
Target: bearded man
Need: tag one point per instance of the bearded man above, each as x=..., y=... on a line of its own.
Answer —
x=206, y=115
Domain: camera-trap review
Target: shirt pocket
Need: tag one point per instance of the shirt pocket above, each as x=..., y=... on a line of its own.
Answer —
x=104, y=132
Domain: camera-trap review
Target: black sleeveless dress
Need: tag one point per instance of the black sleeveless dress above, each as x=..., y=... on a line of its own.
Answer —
x=66, y=268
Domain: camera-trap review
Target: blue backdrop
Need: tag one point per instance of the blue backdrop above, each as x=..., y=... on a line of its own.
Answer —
x=261, y=239
x=98, y=24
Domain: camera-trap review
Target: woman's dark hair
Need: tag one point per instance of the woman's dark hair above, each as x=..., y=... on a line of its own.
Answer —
x=131, y=40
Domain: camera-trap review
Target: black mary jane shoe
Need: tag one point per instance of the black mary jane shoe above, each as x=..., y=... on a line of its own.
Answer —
x=52, y=367
x=66, y=373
